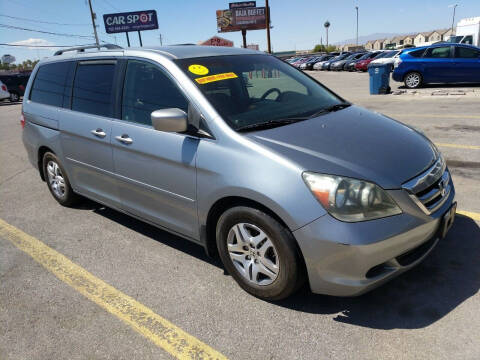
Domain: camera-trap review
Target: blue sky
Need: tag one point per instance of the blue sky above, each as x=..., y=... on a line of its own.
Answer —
x=296, y=24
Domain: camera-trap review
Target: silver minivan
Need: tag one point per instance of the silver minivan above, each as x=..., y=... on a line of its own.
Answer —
x=245, y=155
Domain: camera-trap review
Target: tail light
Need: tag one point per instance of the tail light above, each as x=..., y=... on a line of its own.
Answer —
x=21, y=87
x=4, y=88
x=22, y=121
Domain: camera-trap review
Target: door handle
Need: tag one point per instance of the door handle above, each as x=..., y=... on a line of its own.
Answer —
x=99, y=133
x=124, y=139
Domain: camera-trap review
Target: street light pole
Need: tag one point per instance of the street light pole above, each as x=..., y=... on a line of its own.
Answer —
x=356, y=8
x=327, y=25
x=92, y=14
x=453, y=18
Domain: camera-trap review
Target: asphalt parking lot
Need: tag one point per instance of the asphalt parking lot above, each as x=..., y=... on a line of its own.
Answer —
x=50, y=307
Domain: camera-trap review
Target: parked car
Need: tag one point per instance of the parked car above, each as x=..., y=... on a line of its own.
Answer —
x=439, y=63
x=4, y=94
x=262, y=176
x=339, y=65
x=318, y=65
x=310, y=63
x=362, y=63
x=387, y=57
x=326, y=65
x=16, y=85
x=300, y=61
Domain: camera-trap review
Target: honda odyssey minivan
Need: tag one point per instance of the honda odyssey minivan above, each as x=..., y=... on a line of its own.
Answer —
x=247, y=156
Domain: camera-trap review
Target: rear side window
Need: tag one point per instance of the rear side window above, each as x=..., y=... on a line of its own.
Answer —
x=49, y=85
x=438, y=52
x=147, y=88
x=466, y=53
x=416, y=53
x=92, y=88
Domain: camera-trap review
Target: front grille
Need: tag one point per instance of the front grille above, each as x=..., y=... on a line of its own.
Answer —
x=430, y=189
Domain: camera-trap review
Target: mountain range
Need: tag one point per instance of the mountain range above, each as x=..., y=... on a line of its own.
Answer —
x=364, y=39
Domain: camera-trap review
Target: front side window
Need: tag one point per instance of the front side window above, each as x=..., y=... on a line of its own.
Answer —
x=250, y=90
x=48, y=87
x=146, y=89
x=92, y=88
x=466, y=53
x=438, y=52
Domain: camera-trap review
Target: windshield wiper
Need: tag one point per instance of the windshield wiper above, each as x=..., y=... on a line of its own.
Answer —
x=271, y=124
x=330, y=109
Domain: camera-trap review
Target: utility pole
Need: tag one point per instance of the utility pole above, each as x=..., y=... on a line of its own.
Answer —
x=356, y=8
x=160, y=37
x=269, y=46
x=453, y=19
x=93, y=23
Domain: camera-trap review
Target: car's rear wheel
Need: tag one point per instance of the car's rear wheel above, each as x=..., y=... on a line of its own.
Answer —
x=14, y=97
x=57, y=181
x=259, y=253
x=413, y=80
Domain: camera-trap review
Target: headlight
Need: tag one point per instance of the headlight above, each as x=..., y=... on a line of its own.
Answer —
x=350, y=199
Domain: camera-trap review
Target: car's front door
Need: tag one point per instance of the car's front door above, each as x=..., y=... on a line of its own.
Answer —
x=155, y=170
x=438, y=65
x=467, y=64
x=86, y=131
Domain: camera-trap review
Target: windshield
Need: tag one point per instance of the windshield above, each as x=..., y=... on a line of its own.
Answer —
x=255, y=89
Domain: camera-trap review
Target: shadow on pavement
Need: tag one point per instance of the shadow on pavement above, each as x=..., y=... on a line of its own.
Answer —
x=417, y=298
x=443, y=86
x=8, y=103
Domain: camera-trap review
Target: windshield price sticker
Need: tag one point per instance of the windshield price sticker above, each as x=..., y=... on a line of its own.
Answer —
x=217, y=77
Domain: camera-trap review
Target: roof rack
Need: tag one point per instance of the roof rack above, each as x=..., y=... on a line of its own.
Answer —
x=83, y=48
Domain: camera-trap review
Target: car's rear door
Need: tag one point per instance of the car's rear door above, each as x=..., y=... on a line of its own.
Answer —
x=438, y=65
x=156, y=170
x=467, y=64
x=86, y=128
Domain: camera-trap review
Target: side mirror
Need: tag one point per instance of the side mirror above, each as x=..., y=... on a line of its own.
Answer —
x=169, y=120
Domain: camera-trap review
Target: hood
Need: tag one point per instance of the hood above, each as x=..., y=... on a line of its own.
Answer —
x=353, y=142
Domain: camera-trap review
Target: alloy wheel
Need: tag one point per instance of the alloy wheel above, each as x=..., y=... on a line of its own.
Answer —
x=413, y=80
x=55, y=179
x=253, y=253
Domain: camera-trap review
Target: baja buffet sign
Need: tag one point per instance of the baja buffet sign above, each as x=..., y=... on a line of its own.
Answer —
x=242, y=16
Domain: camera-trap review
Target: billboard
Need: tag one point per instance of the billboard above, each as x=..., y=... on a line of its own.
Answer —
x=242, y=4
x=130, y=21
x=237, y=19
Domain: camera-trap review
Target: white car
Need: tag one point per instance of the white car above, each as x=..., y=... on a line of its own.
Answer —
x=4, y=94
x=388, y=57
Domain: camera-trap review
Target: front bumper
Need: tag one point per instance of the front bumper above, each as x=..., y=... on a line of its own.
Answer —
x=349, y=259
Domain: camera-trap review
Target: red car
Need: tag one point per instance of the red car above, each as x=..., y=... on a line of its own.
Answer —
x=362, y=63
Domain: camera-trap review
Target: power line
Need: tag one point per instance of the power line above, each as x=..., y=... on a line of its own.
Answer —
x=110, y=4
x=42, y=22
x=45, y=32
x=42, y=46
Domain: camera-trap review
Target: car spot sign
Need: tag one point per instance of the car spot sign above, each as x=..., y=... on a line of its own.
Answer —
x=198, y=69
x=130, y=21
x=216, y=77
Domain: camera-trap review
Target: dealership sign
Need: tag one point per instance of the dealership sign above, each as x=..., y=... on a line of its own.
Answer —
x=217, y=41
x=130, y=21
x=242, y=4
x=236, y=19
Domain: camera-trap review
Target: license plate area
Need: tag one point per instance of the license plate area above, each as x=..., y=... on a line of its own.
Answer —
x=447, y=220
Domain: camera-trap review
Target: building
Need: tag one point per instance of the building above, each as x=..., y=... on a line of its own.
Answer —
x=351, y=47
x=253, y=47
x=386, y=43
x=217, y=41
x=369, y=45
x=446, y=33
x=422, y=38
x=408, y=40
x=435, y=36
x=378, y=44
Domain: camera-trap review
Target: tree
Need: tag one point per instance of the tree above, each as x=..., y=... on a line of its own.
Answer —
x=323, y=48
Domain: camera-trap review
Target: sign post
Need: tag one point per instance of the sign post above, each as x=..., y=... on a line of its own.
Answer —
x=131, y=21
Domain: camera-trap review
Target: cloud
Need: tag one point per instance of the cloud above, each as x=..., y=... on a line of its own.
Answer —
x=34, y=43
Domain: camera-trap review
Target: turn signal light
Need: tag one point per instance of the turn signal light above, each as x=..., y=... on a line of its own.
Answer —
x=22, y=121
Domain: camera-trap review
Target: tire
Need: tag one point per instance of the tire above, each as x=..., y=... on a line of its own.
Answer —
x=413, y=80
x=57, y=181
x=275, y=246
x=14, y=97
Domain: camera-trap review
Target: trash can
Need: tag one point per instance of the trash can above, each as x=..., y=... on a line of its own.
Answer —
x=379, y=78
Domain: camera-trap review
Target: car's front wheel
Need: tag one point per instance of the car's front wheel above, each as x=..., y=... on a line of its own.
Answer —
x=413, y=80
x=259, y=253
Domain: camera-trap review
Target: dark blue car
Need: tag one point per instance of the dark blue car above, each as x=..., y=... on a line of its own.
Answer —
x=439, y=63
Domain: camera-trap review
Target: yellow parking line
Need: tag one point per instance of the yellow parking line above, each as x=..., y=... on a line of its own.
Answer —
x=470, y=147
x=143, y=320
x=437, y=116
x=474, y=216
